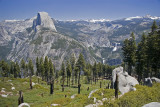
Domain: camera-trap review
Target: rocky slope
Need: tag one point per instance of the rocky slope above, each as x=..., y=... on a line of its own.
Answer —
x=98, y=40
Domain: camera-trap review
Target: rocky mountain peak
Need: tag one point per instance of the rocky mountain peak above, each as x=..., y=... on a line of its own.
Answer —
x=43, y=20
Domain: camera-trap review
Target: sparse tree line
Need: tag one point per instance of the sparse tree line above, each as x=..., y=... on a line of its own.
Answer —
x=143, y=57
x=70, y=71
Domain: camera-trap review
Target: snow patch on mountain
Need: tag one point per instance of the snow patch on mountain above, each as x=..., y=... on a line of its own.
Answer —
x=98, y=20
x=130, y=18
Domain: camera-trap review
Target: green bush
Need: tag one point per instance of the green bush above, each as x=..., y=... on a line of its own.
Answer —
x=138, y=98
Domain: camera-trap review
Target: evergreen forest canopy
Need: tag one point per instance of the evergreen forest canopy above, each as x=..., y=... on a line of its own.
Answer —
x=70, y=71
x=143, y=57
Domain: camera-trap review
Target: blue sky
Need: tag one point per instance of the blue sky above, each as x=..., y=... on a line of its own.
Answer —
x=78, y=9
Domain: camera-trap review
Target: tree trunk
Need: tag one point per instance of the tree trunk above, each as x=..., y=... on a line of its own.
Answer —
x=129, y=69
x=51, y=87
x=63, y=85
x=30, y=82
x=79, y=88
x=100, y=84
x=116, y=86
x=20, y=99
x=67, y=81
x=79, y=85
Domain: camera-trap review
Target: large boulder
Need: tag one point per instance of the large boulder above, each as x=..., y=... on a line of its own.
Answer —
x=126, y=82
x=149, y=81
x=43, y=20
x=154, y=79
x=152, y=104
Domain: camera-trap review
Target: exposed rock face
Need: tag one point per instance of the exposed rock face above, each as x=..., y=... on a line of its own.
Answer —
x=149, y=81
x=126, y=82
x=4, y=37
x=43, y=20
x=96, y=39
x=152, y=104
x=155, y=79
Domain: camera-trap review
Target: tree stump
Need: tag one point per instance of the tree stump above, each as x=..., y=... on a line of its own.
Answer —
x=38, y=80
x=51, y=88
x=30, y=83
x=79, y=88
x=62, y=88
x=20, y=99
x=100, y=84
x=88, y=89
x=108, y=86
x=42, y=94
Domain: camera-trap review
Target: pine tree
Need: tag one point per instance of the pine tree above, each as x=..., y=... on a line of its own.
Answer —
x=22, y=67
x=18, y=70
x=69, y=71
x=73, y=60
x=46, y=67
x=63, y=75
x=141, y=57
x=12, y=69
x=31, y=71
x=5, y=69
x=81, y=62
x=95, y=72
x=51, y=70
x=51, y=76
x=154, y=27
x=129, y=51
x=38, y=66
x=81, y=67
x=30, y=67
x=41, y=69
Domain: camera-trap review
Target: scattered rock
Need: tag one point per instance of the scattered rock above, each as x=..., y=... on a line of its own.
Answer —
x=102, y=94
x=2, y=91
x=104, y=99
x=9, y=80
x=99, y=102
x=3, y=95
x=11, y=84
x=90, y=105
x=55, y=104
x=90, y=94
x=148, y=82
x=33, y=84
x=73, y=96
x=126, y=82
x=13, y=88
x=133, y=89
x=152, y=104
x=25, y=82
x=94, y=99
x=24, y=104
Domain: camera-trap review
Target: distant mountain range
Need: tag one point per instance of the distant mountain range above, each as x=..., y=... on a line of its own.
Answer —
x=98, y=40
